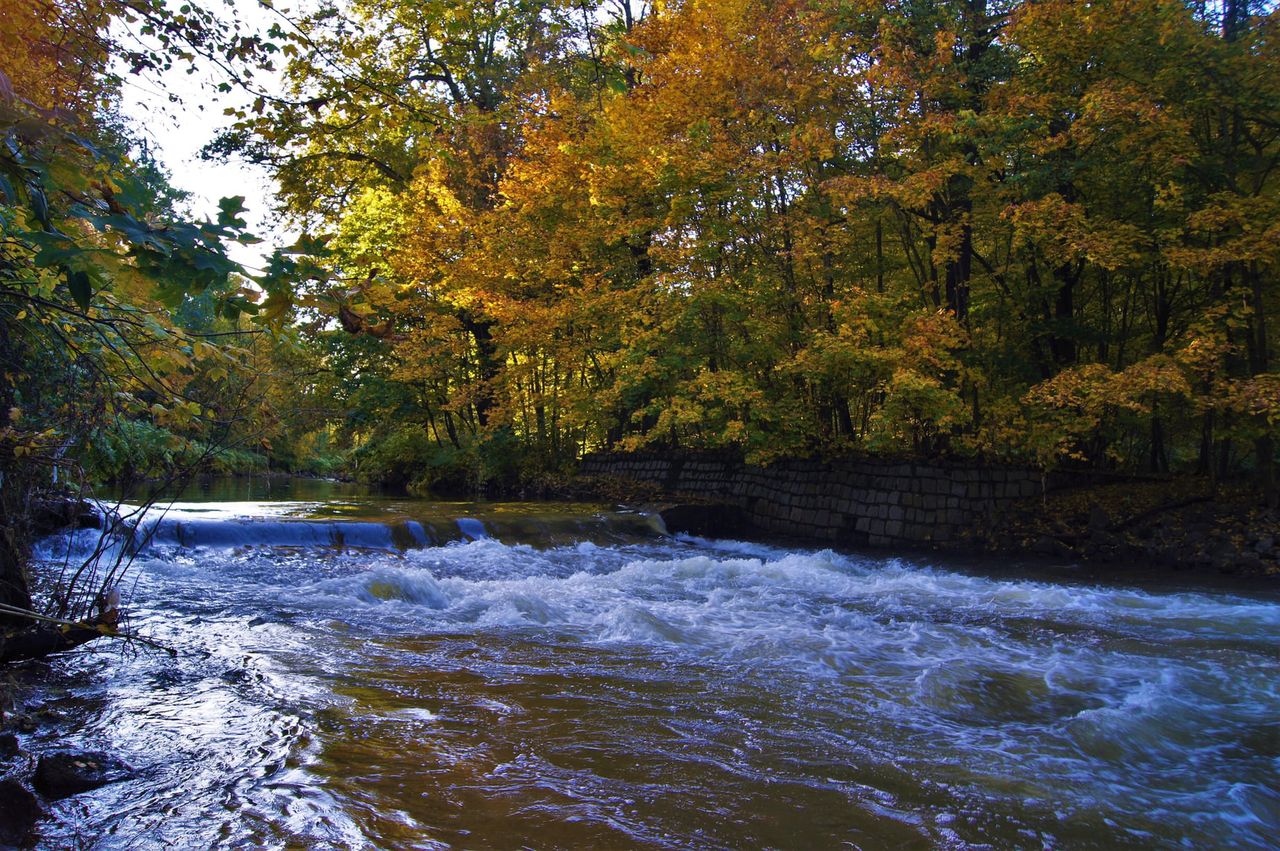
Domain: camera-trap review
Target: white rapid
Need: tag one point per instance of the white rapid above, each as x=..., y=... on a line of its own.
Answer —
x=609, y=688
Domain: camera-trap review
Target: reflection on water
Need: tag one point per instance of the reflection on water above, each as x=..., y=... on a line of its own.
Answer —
x=264, y=488
x=516, y=679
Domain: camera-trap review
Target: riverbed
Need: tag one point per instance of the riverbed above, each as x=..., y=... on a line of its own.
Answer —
x=357, y=671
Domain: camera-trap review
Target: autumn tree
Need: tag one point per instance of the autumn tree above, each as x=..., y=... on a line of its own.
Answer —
x=96, y=271
x=1032, y=231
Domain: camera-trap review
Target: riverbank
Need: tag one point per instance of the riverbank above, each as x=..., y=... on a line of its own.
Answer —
x=1168, y=524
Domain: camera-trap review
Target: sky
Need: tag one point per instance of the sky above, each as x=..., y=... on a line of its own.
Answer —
x=177, y=131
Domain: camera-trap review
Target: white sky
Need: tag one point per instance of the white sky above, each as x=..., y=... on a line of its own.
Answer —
x=177, y=131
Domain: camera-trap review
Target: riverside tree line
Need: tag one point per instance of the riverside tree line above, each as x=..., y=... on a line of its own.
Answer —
x=1035, y=232
x=1042, y=232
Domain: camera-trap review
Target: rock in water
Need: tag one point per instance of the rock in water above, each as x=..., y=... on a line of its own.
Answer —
x=19, y=812
x=60, y=775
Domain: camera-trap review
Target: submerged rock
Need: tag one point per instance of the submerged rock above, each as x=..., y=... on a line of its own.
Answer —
x=60, y=775
x=19, y=812
x=56, y=513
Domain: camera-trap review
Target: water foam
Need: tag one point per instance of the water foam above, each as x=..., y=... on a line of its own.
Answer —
x=1000, y=695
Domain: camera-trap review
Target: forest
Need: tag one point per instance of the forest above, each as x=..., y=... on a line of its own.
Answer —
x=850, y=287
x=1042, y=233
x=1039, y=232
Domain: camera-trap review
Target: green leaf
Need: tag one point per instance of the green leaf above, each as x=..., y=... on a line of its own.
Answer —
x=313, y=245
x=229, y=210
x=40, y=206
x=81, y=288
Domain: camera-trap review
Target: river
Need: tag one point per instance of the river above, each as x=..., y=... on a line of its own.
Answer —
x=356, y=671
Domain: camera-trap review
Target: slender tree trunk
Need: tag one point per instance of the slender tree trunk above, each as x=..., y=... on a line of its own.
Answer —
x=960, y=268
x=1204, y=460
x=487, y=366
x=879, y=256
x=14, y=493
x=451, y=430
x=1063, y=343
x=1259, y=363
x=1159, y=457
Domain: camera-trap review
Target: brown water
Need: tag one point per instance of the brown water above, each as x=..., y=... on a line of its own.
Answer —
x=557, y=676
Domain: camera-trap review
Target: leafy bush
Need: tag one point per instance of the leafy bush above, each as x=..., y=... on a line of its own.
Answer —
x=135, y=450
x=395, y=458
x=495, y=463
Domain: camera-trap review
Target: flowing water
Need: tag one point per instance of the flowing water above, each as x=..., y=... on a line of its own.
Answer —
x=362, y=672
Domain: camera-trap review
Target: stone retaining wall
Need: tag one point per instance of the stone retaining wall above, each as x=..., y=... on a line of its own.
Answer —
x=859, y=503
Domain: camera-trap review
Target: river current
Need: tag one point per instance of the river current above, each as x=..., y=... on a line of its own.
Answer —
x=356, y=672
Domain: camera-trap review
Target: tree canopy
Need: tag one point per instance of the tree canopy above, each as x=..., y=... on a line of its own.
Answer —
x=126, y=348
x=1033, y=231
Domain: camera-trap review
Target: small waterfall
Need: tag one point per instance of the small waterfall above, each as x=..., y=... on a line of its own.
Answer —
x=196, y=533
x=194, y=526
x=472, y=529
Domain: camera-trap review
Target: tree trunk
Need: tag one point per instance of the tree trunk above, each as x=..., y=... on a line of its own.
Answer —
x=481, y=331
x=960, y=267
x=1259, y=363
x=1266, y=448
x=1062, y=342
x=1159, y=456
x=14, y=492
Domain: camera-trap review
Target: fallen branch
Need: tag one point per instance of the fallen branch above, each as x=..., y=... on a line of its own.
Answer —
x=1159, y=509
x=53, y=635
